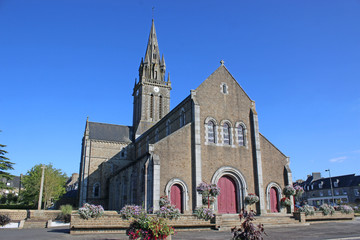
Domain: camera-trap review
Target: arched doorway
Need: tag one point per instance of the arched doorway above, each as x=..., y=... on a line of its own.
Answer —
x=274, y=201
x=176, y=196
x=227, y=199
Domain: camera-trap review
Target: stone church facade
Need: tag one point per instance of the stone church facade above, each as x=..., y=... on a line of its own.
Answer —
x=211, y=136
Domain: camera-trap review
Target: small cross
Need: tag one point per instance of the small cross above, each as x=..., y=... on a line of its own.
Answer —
x=222, y=62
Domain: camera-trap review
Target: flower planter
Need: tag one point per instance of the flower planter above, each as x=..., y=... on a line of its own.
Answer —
x=166, y=238
x=319, y=216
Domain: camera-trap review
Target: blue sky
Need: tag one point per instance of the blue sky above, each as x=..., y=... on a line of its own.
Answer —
x=64, y=60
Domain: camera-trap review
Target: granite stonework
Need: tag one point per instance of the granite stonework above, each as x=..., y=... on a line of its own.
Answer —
x=167, y=148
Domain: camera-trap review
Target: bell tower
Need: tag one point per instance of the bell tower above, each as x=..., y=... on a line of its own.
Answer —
x=151, y=92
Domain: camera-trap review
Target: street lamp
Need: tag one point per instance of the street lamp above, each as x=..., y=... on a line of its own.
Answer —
x=332, y=191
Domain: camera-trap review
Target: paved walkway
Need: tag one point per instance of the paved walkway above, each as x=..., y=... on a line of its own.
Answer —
x=347, y=230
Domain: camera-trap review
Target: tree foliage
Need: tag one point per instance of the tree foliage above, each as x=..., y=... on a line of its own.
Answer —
x=5, y=165
x=54, y=184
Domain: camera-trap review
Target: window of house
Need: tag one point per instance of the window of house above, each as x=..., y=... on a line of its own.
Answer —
x=344, y=192
x=329, y=192
x=8, y=184
x=240, y=130
x=321, y=185
x=312, y=186
x=154, y=56
x=226, y=133
x=321, y=193
x=336, y=191
x=211, y=132
x=96, y=190
x=336, y=184
x=356, y=192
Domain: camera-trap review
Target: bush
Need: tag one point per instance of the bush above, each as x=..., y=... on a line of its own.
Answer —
x=285, y=202
x=4, y=219
x=66, y=211
x=132, y=211
x=146, y=227
x=309, y=210
x=327, y=209
x=204, y=213
x=91, y=211
x=168, y=211
x=289, y=191
x=346, y=209
x=164, y=201
x=251, y=198
x=247, y=229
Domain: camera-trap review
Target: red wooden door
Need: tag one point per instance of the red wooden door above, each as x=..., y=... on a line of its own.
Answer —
x=176, y=196
x=274, y=200
x=227, y=200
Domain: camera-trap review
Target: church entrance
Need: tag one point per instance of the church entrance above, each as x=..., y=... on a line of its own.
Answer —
x=227, y=199
x=176, y=196
x=274, y=201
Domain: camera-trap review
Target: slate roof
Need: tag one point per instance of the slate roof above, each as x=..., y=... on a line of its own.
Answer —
x=109, y=132
x=343, y=181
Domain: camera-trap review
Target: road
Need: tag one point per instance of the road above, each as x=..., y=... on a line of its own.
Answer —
x=345, y=230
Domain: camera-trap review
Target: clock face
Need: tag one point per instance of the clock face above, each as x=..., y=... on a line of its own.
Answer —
x=156, y=89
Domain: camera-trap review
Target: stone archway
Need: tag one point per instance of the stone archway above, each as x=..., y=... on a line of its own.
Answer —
x=273, y=196
x=234, y=180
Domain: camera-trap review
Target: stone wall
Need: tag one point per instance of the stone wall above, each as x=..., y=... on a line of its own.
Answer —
x=113, y=223
x=16, y=215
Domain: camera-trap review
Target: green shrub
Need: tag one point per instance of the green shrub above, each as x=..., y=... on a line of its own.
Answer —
x=4, y=219
x=66, y=211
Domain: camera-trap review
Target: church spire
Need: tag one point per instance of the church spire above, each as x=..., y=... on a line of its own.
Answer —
x=152, y=51
x=153, y=67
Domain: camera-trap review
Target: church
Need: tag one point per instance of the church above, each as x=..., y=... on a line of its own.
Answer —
x=212, y=136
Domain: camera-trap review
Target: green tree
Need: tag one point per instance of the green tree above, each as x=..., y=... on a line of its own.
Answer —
x=54, y=185
x=5, y=165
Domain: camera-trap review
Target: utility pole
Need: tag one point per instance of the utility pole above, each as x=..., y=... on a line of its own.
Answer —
x=41, y=187
x=332, y=191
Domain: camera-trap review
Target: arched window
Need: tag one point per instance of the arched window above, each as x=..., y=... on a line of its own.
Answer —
x=211, y=132
x=226, y=133
x=151, y=106
x=182, y=117
x=160, y=106
x=96, y=190
x=241, y=135
x=168, y=128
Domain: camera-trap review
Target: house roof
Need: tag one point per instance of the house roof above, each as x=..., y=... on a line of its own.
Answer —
x=109, y=132
x=342, y=181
